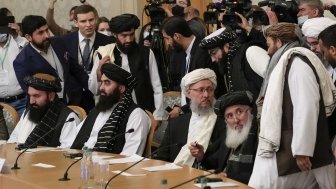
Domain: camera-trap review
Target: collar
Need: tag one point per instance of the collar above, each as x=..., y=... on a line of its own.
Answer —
x=10, y=38
x=190, y=46
x=81, y=37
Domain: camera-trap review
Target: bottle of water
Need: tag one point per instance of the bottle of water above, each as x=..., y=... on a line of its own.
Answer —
x=204, y=182
x=87, y=168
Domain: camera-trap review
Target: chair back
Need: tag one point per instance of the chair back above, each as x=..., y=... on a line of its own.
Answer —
x=11, y=116
x=154, y=125
x=79, y=111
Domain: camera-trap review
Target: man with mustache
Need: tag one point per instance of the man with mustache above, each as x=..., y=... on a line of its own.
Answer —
x=235, y=154
x=45, y=112
x=140, y=62
x=115, y=114
x=47, y=55
x=201, y=125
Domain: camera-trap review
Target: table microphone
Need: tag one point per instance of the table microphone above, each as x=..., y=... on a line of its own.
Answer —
x=47, y=133
x=156, y=151
x=65, y=176
x=198, y=177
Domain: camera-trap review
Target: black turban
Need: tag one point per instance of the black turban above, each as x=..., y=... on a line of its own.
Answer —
x=218, y=38
x=123, y=23
x=43, y=82
x=233, y=98
x=119, y=75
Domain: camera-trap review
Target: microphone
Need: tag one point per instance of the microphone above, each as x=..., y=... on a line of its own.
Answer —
x=198, y=177
x=156, y=151
x=65, y=176
x=47, y=133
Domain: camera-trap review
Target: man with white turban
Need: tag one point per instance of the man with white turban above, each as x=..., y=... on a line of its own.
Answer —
x=311, y=29
x=199, y=127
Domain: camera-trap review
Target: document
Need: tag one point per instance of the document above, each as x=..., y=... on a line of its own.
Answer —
x=130, y=159
x=165, y=167
x=218, y=184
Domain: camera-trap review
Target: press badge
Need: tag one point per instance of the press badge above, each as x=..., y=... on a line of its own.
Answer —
x=4, y=77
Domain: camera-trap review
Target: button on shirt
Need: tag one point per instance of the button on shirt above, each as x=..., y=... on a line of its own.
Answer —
x=12, y=87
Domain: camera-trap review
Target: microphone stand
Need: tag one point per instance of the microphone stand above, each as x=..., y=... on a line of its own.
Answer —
x=65, y=176
x=134, y=164
x=17, y=158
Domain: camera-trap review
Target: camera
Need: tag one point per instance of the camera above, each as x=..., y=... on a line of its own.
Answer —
x=286, y=10
x=154, y=11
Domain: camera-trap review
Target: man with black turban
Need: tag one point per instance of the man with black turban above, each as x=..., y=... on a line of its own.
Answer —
x=45, y=113
x=236, y=152
x=115, y=114
x=141, y=62
x=225, y=49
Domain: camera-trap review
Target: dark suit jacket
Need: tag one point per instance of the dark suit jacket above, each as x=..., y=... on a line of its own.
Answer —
x=72, y=43
x=29, y=62
x=177, y=133
x=199, y=58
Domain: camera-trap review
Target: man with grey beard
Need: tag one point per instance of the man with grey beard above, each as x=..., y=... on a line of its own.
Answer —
x=201, y=125
x=235, y=153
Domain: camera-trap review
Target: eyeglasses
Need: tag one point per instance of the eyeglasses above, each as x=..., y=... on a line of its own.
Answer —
x=238, y=114
x=202, y=90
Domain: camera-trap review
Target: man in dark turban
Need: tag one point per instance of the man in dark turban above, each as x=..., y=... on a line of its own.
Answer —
x=115, y=114
x=141, y=62
x=228, y=52
x=236, y=152
x=46, y=113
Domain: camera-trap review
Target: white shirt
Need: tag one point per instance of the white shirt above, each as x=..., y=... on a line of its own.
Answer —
x=304, y=92
x=135, y=142
x=187, y=68
x=9, y=85
x=25, y=127
x=82, y=44
x=154, y=77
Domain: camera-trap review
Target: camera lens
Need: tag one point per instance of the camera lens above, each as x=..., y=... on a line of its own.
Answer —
x=82, y=1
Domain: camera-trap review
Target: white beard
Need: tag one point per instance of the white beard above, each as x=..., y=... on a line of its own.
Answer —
x=235, y=137
x=200, y=110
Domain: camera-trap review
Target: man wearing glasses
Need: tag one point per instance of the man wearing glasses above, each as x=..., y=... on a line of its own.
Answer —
x=235, y=153
x=201, y=126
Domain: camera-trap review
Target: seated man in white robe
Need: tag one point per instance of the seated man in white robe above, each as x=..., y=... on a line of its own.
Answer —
x=46, y=113
x=115, y=114
x=201, y=125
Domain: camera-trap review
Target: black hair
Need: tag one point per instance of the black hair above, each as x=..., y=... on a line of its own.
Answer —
x=176, y=24
x=31, y=23
x=328, y=36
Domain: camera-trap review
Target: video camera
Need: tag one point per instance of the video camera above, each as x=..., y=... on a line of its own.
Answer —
x=229, y=7
x=286, y=10
x=154, y=11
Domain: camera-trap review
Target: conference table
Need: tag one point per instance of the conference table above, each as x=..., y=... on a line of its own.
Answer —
x=32, y=177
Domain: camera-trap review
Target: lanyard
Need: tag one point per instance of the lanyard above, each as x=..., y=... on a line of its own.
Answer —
x=81, y=54
x=6, y=51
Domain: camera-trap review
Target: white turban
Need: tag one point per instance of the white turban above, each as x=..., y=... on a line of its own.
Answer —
x=196, y=76
x=257, y=63
x=314, y=26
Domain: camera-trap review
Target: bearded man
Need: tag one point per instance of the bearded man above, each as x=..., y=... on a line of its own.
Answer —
x=115, y=114
x=235, y=154
x=201, y=125
x=45, y=113
x=140, y=62
x=47, y=55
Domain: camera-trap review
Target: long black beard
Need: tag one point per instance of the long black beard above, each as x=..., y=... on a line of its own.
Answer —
x=107, y=101
x=42, y=46
x=177, y=47
x=126, y=49
x=37, y=113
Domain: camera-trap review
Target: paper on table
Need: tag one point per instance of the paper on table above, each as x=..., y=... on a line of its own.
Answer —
x=97, y=158
x=128, y=174
x=218, y=184
x=40, y=149
x=168, y=166
x=130, y=159
x=43, y=165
